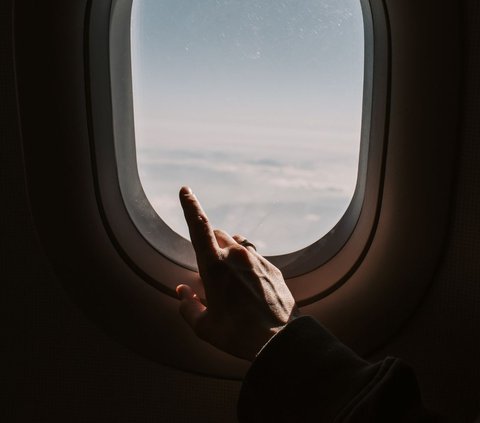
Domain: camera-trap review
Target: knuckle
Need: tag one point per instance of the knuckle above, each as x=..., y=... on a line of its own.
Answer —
x=275, y=271
x=203, y=221
x=219, y=233
x=238, y=252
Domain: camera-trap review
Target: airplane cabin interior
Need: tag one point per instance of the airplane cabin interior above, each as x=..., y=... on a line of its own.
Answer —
x=90, y=325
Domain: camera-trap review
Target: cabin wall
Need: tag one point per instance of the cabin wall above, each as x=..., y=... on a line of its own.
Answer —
x=442, y=340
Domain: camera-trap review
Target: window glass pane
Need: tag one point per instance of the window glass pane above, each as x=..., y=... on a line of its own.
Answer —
x=255, y=104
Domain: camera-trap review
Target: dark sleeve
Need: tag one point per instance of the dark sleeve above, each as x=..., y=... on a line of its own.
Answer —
x=304, y=374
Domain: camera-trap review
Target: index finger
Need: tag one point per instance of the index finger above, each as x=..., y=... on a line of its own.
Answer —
x=201, y=232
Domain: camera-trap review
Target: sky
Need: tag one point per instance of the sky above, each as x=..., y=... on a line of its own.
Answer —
x=256, y=105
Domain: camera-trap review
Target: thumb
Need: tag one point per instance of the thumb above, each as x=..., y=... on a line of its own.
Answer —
x=190, y=306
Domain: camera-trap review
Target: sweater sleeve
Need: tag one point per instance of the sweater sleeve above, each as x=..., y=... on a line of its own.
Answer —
x=304, y=374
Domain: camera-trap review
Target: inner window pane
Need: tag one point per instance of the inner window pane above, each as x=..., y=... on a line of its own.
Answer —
x=255, y=104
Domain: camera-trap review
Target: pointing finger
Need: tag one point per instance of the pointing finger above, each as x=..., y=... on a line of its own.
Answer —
x=201, y=232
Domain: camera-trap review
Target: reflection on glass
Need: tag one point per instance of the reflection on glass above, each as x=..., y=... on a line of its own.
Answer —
x=254, y=104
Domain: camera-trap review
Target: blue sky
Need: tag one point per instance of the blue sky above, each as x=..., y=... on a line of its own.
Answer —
x=256, y=105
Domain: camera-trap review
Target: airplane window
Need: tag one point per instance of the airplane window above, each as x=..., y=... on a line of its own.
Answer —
x=255, y=104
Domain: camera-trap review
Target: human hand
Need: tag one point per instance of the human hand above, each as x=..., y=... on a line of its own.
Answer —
x=247, y=300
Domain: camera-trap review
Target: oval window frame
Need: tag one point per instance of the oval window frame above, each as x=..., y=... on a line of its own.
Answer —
x=115, y=156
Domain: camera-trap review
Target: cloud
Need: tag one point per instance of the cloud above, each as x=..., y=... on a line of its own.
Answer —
x=329, y=174
x=282, y=199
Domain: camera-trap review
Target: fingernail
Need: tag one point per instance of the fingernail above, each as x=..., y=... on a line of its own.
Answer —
x=185, y=190
x=180, y=292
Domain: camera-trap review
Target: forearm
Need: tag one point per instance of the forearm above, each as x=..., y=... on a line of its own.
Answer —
x=305, y=374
